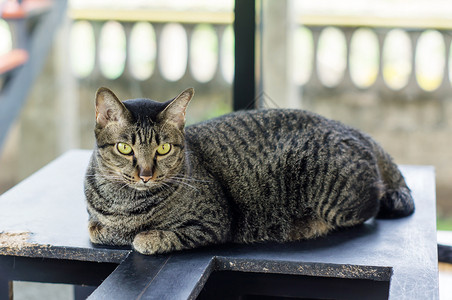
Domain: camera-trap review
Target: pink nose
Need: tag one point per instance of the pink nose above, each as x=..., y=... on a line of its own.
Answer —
x=145, y=178
x=145, y=174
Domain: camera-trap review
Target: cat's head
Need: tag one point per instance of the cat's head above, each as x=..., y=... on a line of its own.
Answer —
x=140, y=142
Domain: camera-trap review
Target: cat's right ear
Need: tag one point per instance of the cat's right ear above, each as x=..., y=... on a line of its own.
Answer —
x=109, y=108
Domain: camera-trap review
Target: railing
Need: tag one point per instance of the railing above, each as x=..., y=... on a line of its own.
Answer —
x=135, y=49
x=197, y=48
x=408, y=62
x=148, y=56
x=393, y=62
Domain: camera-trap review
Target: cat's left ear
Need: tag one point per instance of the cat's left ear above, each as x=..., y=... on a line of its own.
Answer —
x=175, y=111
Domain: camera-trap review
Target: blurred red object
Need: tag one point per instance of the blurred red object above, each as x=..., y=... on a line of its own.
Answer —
x=12, y=60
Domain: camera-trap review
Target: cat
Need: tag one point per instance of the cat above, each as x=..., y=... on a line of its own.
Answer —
x=250, y=176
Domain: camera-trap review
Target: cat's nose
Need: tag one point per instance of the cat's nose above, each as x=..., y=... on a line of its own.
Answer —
x=145, y=178
x=145, y=174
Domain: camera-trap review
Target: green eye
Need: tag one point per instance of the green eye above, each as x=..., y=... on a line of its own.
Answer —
x=124, y=148
x=163, y=149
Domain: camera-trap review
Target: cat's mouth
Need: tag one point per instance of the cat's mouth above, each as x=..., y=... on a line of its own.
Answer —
x=143, y=184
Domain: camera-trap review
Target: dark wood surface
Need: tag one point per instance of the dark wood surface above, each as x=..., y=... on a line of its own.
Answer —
x=43, y=226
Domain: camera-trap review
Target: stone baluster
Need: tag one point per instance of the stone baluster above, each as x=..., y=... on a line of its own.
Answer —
x=412, y=87
x=380, y=83
x=444, y=88
x=347, y=82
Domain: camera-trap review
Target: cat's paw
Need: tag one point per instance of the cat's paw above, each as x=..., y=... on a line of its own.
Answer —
x=100, y=234
x=95, y=230
x=155, y=241
x=146, y=242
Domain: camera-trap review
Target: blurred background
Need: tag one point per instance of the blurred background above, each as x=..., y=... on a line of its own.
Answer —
x=383, y=66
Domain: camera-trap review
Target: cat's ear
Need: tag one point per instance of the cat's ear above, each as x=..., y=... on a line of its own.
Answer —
x=175, y=111
x=109, y=108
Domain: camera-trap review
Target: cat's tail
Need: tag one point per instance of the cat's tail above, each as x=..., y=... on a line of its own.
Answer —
x=396, y=201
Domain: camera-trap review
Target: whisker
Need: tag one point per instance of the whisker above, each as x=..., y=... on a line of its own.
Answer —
x=181, y=181
x=190, y=179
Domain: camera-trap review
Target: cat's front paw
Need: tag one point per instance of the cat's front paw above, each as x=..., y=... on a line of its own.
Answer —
x=96, y=234
x=156, y=241
x=100, y=234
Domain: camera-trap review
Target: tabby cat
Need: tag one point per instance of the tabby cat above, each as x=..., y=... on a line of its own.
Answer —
x=249, y=176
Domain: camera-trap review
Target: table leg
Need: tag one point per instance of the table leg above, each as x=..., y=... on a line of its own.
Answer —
x=6, y=288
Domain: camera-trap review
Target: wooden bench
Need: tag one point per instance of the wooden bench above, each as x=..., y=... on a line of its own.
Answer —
x=44, y=238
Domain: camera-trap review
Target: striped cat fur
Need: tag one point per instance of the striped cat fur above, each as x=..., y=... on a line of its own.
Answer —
x=249, y=176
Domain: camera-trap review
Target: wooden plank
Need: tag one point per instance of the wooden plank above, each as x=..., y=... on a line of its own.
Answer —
x=182, y=277
x=131, y=279
x=45, y=215
x=56, y=270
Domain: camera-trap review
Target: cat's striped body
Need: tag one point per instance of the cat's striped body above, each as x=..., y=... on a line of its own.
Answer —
x=269, y=175
x=291, y=174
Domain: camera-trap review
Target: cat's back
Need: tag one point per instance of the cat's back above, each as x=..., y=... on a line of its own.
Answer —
x=255, y=124
x=249, y=147
x=262, y=129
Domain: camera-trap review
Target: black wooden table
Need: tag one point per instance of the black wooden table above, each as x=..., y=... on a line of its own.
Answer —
x=44, y=238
